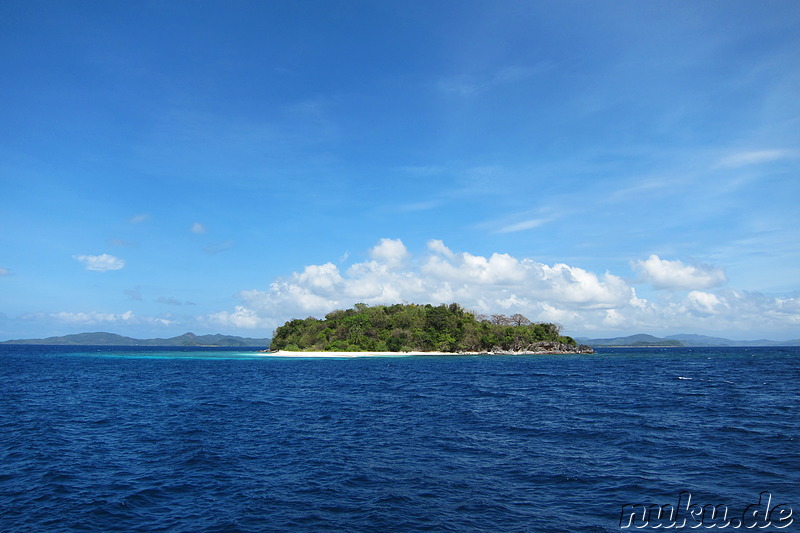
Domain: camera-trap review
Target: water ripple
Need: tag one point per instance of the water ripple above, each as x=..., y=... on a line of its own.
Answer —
x=542, y=443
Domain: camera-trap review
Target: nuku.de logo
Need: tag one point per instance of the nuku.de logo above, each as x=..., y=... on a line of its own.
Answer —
x=690, y=515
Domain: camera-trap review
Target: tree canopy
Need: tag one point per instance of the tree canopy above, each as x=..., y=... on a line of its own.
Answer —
x=411, y=327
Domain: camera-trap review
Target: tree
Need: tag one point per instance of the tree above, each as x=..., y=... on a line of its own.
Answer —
x=519, y=320
x=500, y=320
x=405, y=327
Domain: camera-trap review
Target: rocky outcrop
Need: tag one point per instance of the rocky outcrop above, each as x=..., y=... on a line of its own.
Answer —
x=546, y=347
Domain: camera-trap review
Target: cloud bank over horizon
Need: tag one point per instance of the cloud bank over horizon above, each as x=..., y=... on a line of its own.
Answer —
x=686, y=297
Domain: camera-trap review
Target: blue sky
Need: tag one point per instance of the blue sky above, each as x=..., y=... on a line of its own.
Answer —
x=616, y=167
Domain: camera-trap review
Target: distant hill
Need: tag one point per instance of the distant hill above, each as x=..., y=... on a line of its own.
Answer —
x=641, y=339
x=112, y=339
x=681, y=340
x=703, y=340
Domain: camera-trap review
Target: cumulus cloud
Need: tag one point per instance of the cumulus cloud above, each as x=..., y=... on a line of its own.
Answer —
x=100, y=263
x=582, y=301
x=666, y=274
x=436, y=246
x=499, y=282
x=240, y=318
x=703, y=302
x=390, y=251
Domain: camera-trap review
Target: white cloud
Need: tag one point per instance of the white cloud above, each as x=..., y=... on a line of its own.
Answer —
x=754, y=157
x=578, y=287
x=4, y=272
x=703, y=302
x=582, y=301
x=100, y=263
x=240, y=318
x=93, y=317
x=198, y=228
x=666, y=274
x=524, y=225
x=322, y=277
x=496, y=283
x=464, y=267
x=436, y=246
x=138, y=219
x=390, y=251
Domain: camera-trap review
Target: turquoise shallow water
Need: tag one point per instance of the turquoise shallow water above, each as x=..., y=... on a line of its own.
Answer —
x=147, y=439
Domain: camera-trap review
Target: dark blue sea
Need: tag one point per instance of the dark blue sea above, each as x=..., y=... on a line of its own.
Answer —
x=204, y=440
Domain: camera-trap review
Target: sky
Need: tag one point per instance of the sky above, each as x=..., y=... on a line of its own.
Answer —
x=615, y=167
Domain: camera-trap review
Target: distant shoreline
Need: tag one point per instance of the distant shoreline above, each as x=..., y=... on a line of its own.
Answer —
x=187, y=340
x=287, y=353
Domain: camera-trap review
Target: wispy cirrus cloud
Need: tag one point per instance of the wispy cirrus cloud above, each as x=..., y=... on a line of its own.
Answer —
x=100, y=263
x=524, y=225
x=470, y=85
x=754, y=157
x=169, y=300
x=4, y=272
x=214, y=249
x=424, y=205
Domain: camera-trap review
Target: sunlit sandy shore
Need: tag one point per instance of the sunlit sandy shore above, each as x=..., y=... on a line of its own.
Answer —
x=283, y=353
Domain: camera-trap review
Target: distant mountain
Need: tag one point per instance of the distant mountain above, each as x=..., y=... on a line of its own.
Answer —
x=641, y=339
x=681, y=340
x=703, y=340
x=112, y=339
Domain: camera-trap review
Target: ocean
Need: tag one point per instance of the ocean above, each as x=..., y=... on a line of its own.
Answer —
x=218, y=440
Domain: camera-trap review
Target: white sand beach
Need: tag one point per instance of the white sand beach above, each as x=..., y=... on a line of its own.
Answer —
x=284, y=353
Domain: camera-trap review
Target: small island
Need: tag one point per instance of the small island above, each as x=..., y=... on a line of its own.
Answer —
x=421, y=329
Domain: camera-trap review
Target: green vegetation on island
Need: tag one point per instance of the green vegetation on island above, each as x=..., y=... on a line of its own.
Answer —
x=420, y=328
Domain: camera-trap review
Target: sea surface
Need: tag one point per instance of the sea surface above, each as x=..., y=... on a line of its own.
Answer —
x=217, y=440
